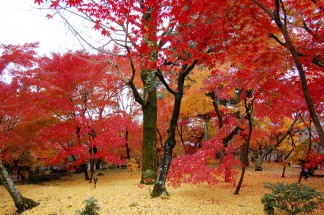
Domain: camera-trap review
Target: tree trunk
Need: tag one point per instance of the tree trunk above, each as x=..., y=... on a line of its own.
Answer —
x=283, y=171
x=237, y=191
x=304, y=84
x=249, y=111
x=21, y=202
x=295, y=55
x=243, y=158
x=127, y=146
x=85, y=171
x=159, y=185
x=206, y=127
x=149, y=108
x=92, y=165
x=258, y=163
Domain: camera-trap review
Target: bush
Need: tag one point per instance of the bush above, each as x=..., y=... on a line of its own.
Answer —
x=91, y=207
x=292, y=198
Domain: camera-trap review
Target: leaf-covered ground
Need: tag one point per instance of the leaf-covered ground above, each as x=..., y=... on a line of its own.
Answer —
x=118, y=193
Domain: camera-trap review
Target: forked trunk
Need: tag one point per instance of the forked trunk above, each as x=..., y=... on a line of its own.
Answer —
x=258, y=163
x=21, y=202
x=159, y=185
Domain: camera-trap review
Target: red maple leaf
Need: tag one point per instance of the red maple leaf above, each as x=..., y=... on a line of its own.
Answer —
x=38, y=2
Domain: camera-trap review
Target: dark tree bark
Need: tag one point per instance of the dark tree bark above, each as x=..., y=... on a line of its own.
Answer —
x=289, y=153
x=159, y=185
x=283, y=171
x=248, y=111
x=127, y=146
x=229, y=137
x=180, y=133
x=84, y=168
x=216, y=101
x=243, y=155
x=21, y=202
x=92, y=167
x=275, y=15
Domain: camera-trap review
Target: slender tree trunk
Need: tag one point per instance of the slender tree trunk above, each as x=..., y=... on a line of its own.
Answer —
x=237, y=191
x=304, y=84
x=21, y=202
x=287, y=156
x=127, y=146
x=85, y=171
x=295, y=55
x=216, y=101
x=243, y=158
x=92, y=165
x=206, y=127
x=283, y=171
x=159, y=185
x=249, y=111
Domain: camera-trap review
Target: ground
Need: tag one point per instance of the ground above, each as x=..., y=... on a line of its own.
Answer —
x=118, y=193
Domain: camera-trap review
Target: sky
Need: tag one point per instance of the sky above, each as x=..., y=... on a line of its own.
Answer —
x=21, y=22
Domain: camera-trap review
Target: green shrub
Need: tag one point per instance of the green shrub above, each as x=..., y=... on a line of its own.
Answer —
x=91, y=207
x=292, y=198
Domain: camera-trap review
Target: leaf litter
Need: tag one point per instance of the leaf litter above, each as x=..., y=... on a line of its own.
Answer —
x=118, y=192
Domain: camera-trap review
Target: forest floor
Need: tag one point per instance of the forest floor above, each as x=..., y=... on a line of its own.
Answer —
x=118, y=192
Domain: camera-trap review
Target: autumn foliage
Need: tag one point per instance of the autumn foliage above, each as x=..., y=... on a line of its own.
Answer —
x=211, y=85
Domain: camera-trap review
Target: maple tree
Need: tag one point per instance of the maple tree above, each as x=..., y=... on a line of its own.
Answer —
x=223, y=85
x=150, y=34
x=127, y=24
x=14, y=59
x=305, y=46
x=166, y=39
x=273, y=139
x=81, y=95
x=196, y=104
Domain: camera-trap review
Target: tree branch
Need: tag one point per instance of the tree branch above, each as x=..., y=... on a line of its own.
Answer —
x=162, y=79
x=136, y=94
x=266, y=10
